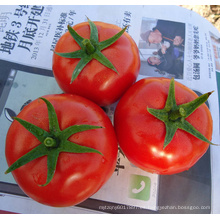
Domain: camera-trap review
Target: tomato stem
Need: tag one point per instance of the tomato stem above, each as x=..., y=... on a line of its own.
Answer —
x=90, y=49
x=50, y=142
x=174, y=115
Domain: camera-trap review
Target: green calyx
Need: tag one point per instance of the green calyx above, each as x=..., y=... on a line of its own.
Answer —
x=90, y=49
x=174, y=115
x=52, y=143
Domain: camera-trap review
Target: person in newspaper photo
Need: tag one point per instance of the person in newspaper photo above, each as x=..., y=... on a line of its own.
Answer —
x=168, y=39
x=168, y=60
x=166, y=31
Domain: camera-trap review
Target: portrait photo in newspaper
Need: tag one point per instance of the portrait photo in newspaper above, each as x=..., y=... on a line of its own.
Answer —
x=161, y=48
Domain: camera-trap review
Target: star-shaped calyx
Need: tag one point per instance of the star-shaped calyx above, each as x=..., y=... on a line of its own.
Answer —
x=52, y=143
x=174, y=116
x=90, y=49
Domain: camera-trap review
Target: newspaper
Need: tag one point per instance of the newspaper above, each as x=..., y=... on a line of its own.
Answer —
x=28, y=35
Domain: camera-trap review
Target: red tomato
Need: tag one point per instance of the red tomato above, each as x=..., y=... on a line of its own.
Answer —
x=141, y=135
x=97, y=82
x=77, y=175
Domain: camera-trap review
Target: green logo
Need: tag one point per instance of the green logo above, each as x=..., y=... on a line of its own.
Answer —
x=139, y=187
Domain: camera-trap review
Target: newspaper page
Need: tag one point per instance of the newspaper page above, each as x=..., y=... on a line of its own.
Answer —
x=28, y=35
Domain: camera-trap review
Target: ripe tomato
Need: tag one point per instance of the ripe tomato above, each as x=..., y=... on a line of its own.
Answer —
x=78, y=175
x=97, y=82
x=141, y=135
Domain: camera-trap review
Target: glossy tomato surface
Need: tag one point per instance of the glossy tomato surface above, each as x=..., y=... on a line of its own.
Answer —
x=141, y=135
x=97, y=82
x=77, y=175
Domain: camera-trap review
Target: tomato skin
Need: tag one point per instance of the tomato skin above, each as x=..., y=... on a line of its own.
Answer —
x=141, y=135
x=97, y=82
x=77, y=176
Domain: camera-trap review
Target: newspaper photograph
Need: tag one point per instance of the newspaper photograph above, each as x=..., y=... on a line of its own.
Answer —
x=184, y=47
